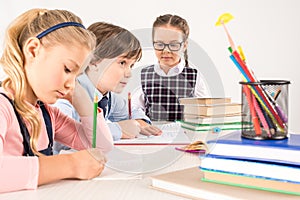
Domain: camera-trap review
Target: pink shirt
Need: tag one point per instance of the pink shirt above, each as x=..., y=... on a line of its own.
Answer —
x=18, y=172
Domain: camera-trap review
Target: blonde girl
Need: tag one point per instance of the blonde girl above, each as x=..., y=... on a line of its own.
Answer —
x=43, y=53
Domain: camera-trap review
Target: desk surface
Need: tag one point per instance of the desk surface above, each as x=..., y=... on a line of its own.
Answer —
x=138, y=188
x=106, y=189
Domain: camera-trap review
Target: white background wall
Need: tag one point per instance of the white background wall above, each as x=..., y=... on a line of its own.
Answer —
x=268, y=30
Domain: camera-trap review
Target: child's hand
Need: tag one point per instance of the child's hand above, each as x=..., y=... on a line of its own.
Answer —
x=81, y=101
x=150, y=130
x=98, y=155
x=88, y=163
x=130, y=128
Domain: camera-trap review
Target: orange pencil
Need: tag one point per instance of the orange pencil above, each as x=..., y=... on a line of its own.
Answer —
x=261, y=115
x=252, y=110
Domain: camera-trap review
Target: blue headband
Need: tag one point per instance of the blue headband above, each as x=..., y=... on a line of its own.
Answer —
x=58, y=26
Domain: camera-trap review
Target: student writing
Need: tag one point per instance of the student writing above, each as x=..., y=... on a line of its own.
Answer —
x=43, y=53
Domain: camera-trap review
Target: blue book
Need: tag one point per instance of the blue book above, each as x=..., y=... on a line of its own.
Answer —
x=232, y=145
x=265, y=170
x=255, y=175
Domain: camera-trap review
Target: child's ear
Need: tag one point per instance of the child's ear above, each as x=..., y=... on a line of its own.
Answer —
x=93, y=67
x=31, y=48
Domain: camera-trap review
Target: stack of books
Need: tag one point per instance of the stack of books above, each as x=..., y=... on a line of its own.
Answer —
x=211, y=114
x=272, y=165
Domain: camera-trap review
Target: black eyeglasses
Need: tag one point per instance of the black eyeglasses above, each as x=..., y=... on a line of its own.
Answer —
x=174, y=46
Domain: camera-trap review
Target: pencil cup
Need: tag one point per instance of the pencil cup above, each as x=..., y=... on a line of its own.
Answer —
x=265, y=109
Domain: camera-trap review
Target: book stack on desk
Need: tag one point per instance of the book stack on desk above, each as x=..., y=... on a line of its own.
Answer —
x=211, y=114
x=272, y=165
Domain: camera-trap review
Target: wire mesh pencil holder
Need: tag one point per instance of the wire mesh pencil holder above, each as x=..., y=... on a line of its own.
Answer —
x=265, y=109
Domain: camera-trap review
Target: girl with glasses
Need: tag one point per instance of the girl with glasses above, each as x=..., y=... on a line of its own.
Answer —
x=171, y=78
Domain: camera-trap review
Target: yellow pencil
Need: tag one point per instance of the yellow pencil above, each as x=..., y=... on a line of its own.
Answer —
x=242, y=53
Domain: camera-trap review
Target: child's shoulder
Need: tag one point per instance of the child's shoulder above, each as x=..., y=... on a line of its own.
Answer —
x=189, y=69
x=149, y=67
x=147, y=70
x=4, y=99
x=6, y=107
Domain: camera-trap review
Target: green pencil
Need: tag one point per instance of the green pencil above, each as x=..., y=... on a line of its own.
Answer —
x=95, y=120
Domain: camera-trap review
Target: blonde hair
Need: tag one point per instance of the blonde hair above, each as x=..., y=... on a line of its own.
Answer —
x=30, y=24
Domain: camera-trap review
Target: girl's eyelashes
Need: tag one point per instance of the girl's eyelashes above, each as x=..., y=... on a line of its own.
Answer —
x=67, y=70
x=73, y=70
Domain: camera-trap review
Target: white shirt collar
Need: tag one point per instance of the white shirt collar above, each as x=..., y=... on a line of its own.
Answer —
x=173, y=71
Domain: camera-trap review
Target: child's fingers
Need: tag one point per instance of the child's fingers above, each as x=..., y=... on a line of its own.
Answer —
x=125, y=135
x=98, y=155
x=156, y=131
x=145, y=131
x=151, y=130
